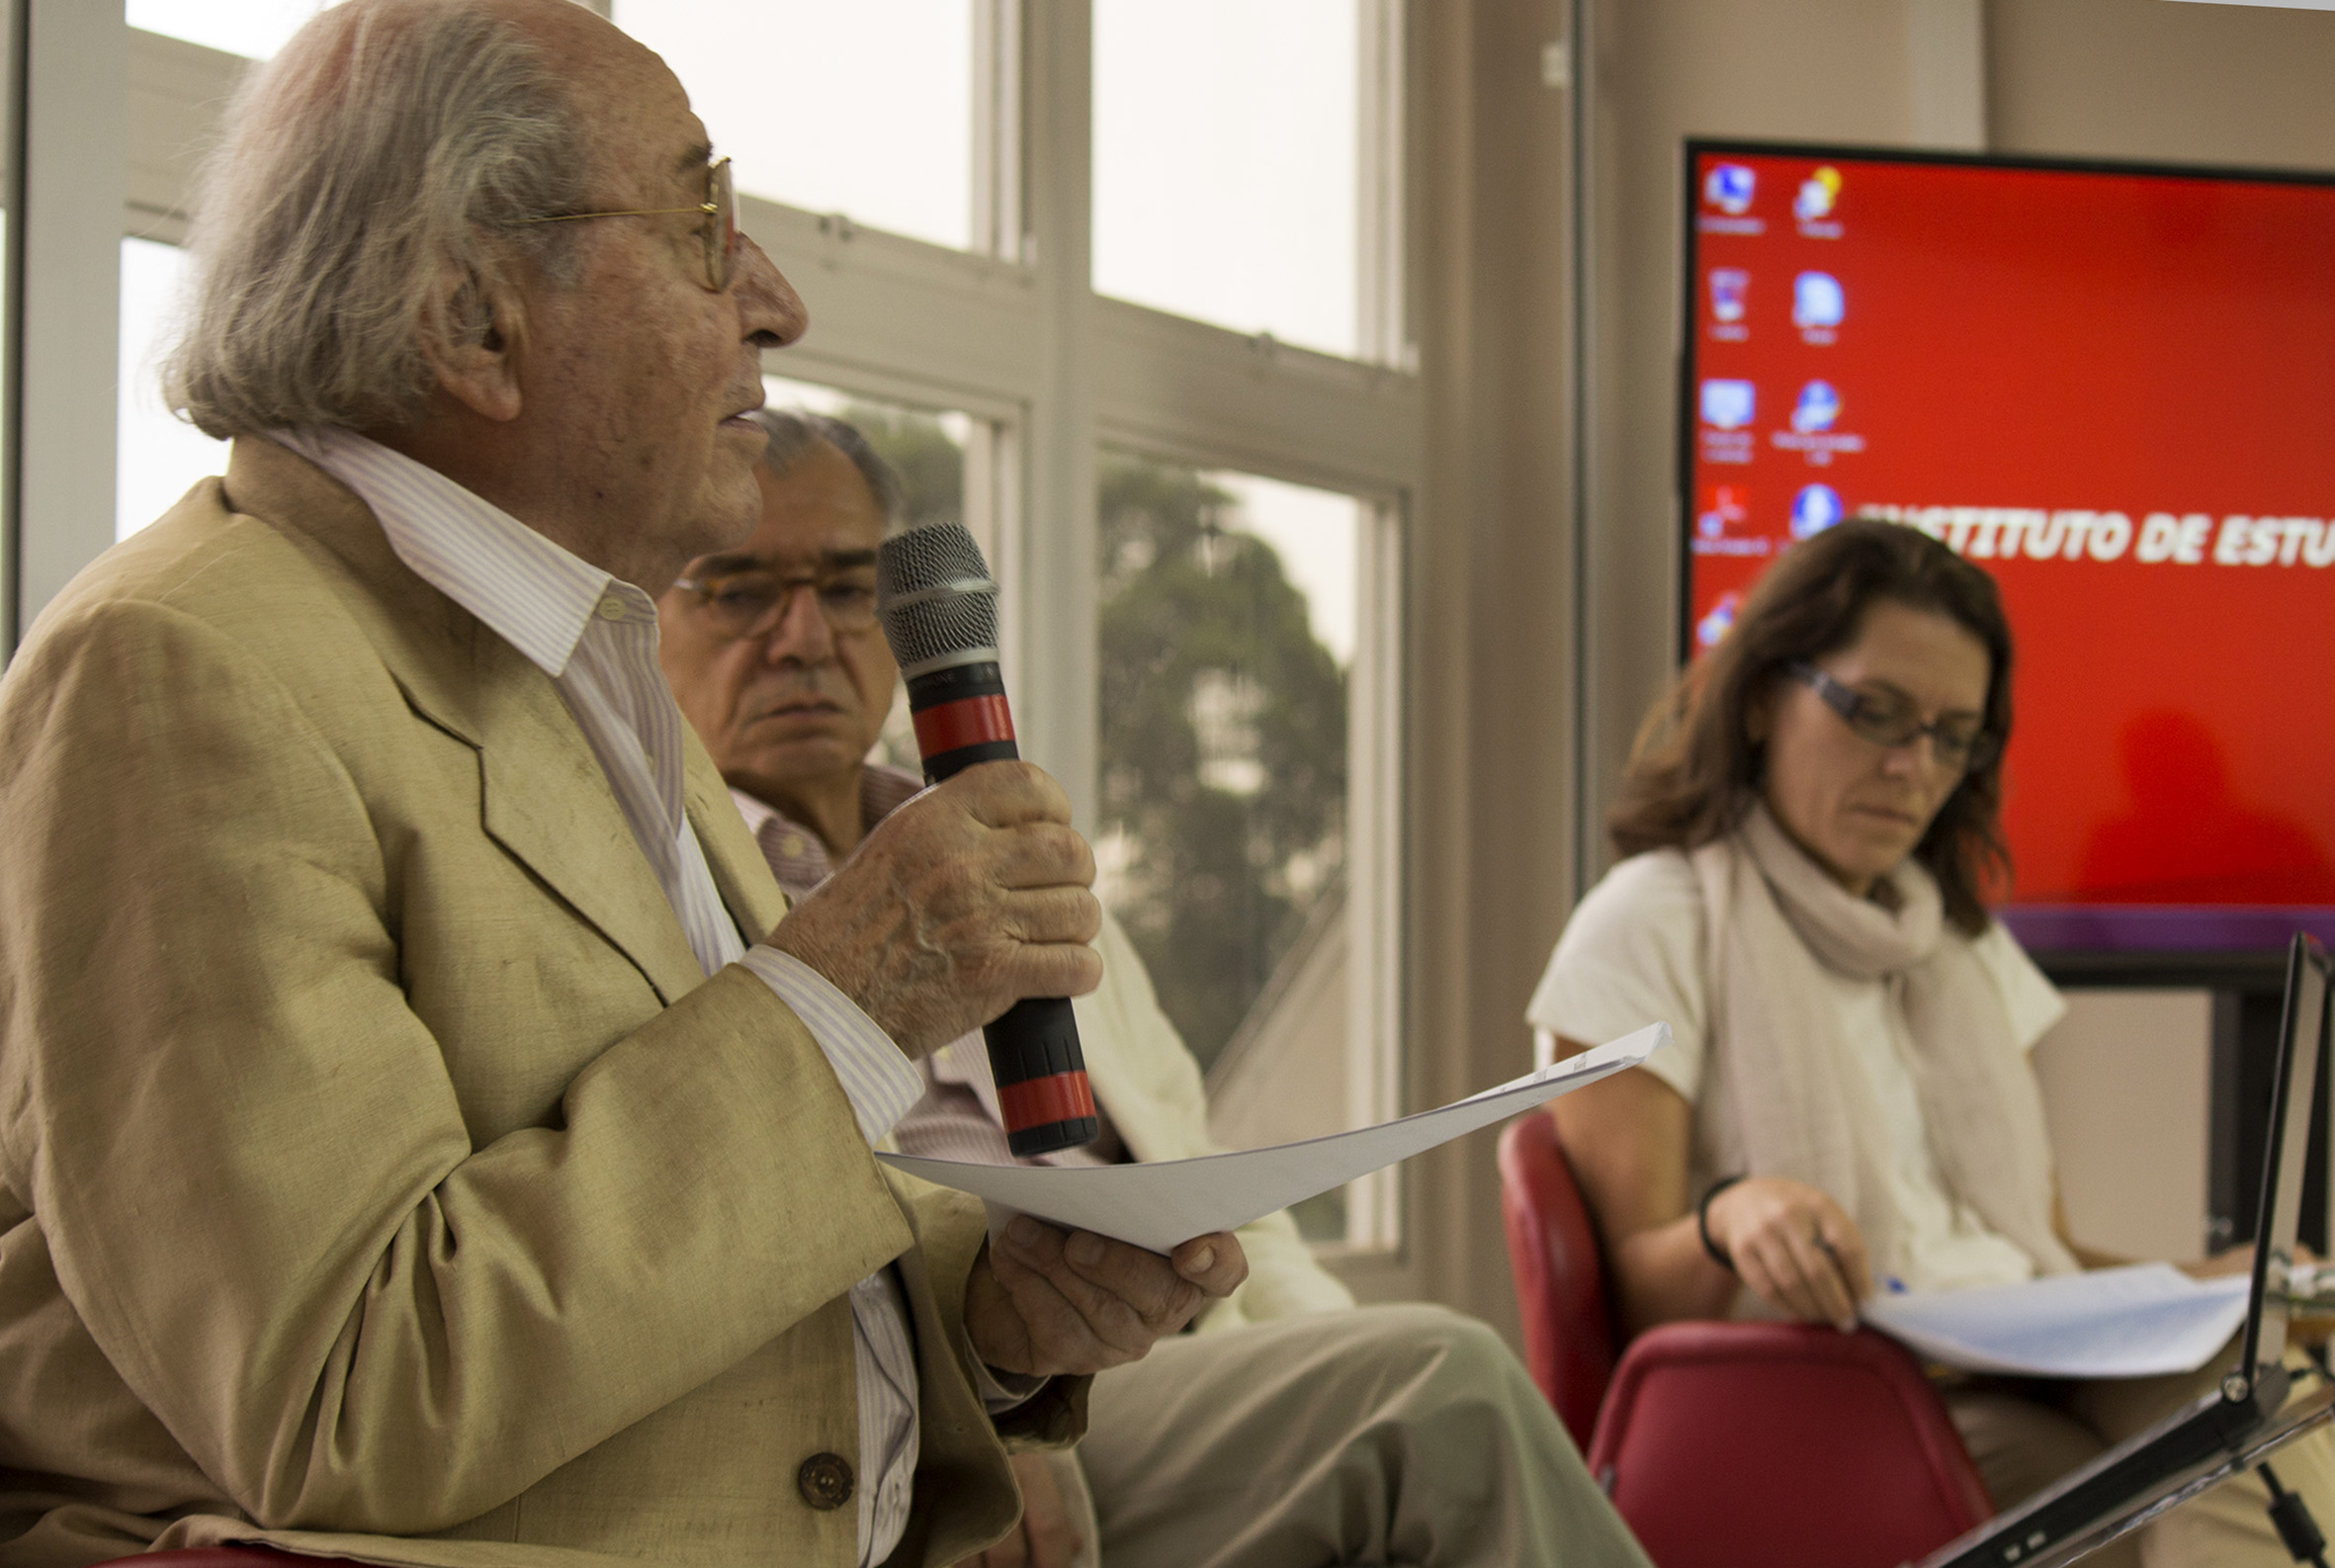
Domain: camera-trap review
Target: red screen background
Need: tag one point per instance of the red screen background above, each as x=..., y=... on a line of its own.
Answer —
x=2051, y=341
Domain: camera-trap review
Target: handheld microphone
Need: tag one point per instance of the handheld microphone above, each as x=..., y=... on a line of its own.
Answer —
x=940, y=615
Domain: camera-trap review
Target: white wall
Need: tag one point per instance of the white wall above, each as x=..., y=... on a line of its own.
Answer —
x=2234, y=84
x=2126, y=1077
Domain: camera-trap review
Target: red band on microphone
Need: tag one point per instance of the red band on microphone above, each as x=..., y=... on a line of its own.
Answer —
x=1036, y=1101
x=968, y=721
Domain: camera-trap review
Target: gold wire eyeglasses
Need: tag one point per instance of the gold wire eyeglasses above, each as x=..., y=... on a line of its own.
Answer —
x=719, y=229
x=752, y=602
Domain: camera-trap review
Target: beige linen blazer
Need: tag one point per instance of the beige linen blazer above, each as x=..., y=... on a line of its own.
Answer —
x=379, y=1173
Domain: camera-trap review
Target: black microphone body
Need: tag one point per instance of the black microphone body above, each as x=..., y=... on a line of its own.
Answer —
x=939, y=610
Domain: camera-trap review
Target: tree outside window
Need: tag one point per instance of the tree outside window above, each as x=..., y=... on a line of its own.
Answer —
x=1223, y=747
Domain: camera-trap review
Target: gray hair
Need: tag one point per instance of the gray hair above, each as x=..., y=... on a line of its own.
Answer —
x=792, y=432
x=389, y=143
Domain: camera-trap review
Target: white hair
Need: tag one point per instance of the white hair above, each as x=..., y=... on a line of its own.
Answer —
x=390, y=144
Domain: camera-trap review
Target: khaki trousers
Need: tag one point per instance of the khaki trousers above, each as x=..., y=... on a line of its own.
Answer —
x=1403, y=1435
x=2025, y=1435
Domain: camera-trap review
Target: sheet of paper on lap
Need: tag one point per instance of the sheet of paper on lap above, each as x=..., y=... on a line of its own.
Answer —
x=2144, y=1320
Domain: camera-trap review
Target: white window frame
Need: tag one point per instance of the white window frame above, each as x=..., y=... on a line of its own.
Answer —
x=65, y=154
x=1013, y=335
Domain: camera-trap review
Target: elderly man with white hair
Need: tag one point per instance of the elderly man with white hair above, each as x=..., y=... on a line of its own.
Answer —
x=422, y=1139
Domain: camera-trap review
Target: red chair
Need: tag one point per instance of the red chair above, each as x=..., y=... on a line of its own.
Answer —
x=1728, y=1445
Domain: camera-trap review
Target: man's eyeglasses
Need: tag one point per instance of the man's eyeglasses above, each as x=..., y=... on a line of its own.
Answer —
x=1960, y=745
x=719, y=228
x=751, y=603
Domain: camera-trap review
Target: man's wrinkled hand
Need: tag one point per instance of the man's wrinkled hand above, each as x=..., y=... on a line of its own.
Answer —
x=1045, y=1304
x=968, y=898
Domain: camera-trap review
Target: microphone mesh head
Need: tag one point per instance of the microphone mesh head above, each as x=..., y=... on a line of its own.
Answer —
x=934, y=593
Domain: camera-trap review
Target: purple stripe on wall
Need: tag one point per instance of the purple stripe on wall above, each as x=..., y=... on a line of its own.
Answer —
x=2163, y=929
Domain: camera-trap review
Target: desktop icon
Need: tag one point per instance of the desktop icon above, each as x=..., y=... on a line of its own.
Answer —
x=1723, y=506
x=1817, y=195
x=1817, y=302
x=1728, y=187
x=1716, y=625
x=1818, y=408
x=1728, y=285
x=1816, y=508
x=1729, y=404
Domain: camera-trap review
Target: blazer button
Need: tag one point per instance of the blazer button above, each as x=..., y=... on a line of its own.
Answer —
x=825, y=1480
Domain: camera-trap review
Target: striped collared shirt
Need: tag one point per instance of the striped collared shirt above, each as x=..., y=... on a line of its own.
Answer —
x=595, y=637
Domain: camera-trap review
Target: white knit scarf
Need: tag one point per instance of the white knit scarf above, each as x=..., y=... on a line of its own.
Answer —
x=1793, y=1101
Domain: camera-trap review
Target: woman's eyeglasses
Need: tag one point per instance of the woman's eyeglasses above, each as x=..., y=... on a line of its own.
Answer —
x=1961, y=746
x=719, y=228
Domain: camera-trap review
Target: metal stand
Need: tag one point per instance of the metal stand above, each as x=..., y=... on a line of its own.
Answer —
x=2288, y=1514
x=2291, y=1516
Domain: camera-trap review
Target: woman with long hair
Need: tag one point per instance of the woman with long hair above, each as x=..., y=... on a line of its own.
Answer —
x=1810, y=820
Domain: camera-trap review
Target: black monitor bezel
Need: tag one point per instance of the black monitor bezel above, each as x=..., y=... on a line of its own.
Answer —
x=2300, y=1061
x=2221, y=969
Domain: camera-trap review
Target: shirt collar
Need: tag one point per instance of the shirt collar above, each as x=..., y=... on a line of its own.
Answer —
x=530, y=591
x=796, y=854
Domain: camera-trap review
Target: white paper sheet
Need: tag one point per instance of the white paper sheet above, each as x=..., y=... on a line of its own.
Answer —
x=1168, y=1201
x=2140, y=1320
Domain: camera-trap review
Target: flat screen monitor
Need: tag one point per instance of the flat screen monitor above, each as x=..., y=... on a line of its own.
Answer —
x=2114, y=388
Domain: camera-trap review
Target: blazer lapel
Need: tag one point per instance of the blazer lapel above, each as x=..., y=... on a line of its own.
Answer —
x=548, y=801
x=545, y=797
x=741, y=875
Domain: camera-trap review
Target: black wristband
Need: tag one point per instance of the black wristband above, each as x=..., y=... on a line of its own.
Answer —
x=1718, y=1254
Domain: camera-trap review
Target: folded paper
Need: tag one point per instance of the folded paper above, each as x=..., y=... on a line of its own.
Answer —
x=1159, y=1204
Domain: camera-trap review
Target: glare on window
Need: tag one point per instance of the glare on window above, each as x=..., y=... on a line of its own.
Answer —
x=253, y=28
x=864, y=109
x=157, y=455
x=1226, y=156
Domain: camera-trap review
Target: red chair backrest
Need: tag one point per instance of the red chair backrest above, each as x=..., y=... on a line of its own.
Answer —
x=1883, y=1476
x=1570, y=1344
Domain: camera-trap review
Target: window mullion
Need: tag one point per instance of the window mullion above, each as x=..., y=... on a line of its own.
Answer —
x=1176, y=386
x=1374, y=876
x=960, y=326
x=69, y=149
x=1049, y=561
x=1381, y=333
x=998, y=225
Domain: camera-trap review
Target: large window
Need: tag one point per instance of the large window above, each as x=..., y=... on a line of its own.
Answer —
x=863, y=109
x=158, y=457
x=1154, y=369
x=1227, y=623
x=255, y=28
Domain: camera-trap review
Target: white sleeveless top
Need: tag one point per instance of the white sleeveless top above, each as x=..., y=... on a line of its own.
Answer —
x=1634, y=953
